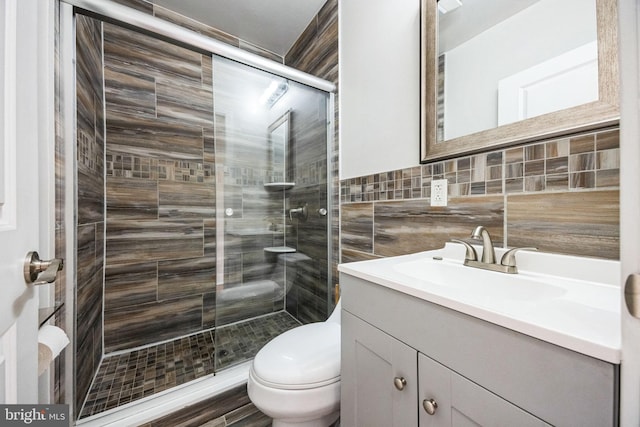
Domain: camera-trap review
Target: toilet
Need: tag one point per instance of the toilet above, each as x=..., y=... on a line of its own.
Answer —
x=295, y=378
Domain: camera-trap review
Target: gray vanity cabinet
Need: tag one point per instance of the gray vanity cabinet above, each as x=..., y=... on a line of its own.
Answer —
x=387, y=382
x=398, y=351
x=382, y=380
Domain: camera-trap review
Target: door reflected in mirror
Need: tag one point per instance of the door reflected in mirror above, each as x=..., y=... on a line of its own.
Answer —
x=504, y=61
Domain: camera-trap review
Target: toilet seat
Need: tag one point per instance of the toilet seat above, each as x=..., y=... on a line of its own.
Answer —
x=302, y=358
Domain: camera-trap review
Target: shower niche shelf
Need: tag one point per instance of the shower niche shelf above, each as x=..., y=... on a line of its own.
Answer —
x=279, y=186
x=280, y=250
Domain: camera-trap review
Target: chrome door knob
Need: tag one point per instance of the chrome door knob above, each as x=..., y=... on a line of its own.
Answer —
x=430, y=406
x=632, y=294
x=39, y=272
x=399, y=382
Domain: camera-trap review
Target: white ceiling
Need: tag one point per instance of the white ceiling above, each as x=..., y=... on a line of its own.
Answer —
x=271, y=24
x=474, y=17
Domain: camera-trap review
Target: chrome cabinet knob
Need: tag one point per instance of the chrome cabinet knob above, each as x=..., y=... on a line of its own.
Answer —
x=430, y=406
x=399, y=382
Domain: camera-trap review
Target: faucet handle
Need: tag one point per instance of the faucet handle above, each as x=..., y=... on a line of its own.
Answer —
x=471, y=254
x=509, y=257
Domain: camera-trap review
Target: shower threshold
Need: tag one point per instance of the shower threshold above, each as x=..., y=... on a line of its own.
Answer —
x=127, y=377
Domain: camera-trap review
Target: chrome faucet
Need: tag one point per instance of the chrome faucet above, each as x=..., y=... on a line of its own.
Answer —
x=488, y=262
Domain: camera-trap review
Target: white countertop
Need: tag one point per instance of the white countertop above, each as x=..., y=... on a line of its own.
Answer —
x=573, y=302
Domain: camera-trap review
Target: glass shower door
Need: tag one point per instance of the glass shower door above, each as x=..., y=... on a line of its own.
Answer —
x=272, y=231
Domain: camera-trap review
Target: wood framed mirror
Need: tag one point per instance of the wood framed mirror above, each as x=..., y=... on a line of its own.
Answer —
x=601, y=111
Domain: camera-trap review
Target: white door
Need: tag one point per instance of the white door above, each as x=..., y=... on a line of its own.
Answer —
x=629, y=15
x=19, y=195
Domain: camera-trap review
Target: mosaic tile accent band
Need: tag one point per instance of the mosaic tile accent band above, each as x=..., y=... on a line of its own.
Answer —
x=587, y=161
x=129, y=166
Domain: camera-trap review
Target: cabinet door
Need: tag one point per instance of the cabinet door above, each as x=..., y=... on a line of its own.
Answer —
x=462, y=403
x=434, y=383
x=379, y=377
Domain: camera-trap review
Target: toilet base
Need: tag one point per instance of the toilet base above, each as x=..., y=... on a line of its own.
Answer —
x=325, y=421
x=314, y=407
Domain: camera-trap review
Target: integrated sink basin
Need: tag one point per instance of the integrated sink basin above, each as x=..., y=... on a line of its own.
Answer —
x=478, y=284
x=573, y=302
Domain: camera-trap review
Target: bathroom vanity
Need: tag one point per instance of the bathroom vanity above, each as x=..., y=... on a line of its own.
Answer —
x=416, y=351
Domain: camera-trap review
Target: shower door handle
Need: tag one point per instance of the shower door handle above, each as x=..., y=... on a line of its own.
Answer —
x=41, y=272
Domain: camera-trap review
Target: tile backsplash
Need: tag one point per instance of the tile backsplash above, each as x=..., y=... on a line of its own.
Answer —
x=560, y=195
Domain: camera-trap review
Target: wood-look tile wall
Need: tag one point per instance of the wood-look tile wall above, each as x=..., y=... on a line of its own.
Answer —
x=316, y=52
x=160, y=170
x=90, y=203
x=159, y=185
x=254, y=217
x=561, y=196
x=161, y=197
x=308, y=295
x=160, y=192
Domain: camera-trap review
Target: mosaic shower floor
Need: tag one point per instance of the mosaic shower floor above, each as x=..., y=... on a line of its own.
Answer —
x=126, y=377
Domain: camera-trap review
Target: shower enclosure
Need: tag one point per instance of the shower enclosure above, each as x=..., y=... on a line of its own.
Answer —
x=202, y=212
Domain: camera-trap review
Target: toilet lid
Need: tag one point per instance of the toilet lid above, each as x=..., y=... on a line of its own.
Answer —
x=304, y=356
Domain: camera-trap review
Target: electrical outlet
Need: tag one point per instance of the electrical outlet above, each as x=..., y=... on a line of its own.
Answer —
x=439, y=192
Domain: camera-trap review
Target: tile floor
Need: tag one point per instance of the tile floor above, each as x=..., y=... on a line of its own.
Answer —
x=126, y=377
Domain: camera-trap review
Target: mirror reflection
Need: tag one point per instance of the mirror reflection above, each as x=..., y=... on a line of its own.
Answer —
x=503, y=61
x=280, y=153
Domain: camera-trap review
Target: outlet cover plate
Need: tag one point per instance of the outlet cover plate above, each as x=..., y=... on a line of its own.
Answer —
x=439, y=192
